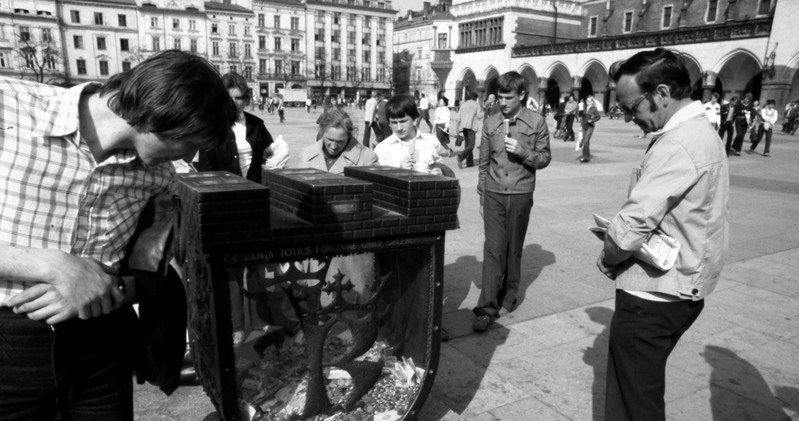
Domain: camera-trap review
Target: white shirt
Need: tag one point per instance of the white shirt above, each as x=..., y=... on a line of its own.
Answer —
x=425, y=147
x=424, y=104
x=712, y=111
x=769, y=117
x=442, y=116
x=245, y=150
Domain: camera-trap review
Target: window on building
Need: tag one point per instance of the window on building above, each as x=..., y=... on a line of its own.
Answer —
x=247, y=30
x=337, y=54
x=29, y=59
x=261, y=19
x=156, y=43
x=3, y=60
x=320, y=53
x=214, y=28
x=295, y=67
x=442, y=40
x=367, y=56
x=351, y=37
x=381, y=74
x=277, y=21
x=666, y=22
x=295, y=24
x=262, y=66
x=278, y=67
x=592, y=24
x=101, y=43
x=628, y=22
x=215, y=48
x=295, y=44
x=74, y=15
x=232, y=49
x=336, y=37
x=123, y=45
x=24, y=33
x=231, y=29
x=481, y=33
x=247, y=50
x=176, y=44
x=47, y=35
x=77, y=41
x=175, y=23
x=712, y=7
x=81, y=64
x=261, y=42
x=192, y=25
x=277, y=44
x=366, y=40
x=335, y=72
x=336, y=18
x=125, y=66
x=248, y=72
x=153, y=22
x=103, y=68
x=233, y=68
x=193, y=46
x=764, y=7
x=98, y=18
x=319, y=71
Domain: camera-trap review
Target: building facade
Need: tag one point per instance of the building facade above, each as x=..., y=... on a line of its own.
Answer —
x=30, y=41
x=563, y=47
x=422, y=40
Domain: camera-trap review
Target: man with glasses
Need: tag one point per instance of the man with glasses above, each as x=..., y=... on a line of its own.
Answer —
x=680, y=189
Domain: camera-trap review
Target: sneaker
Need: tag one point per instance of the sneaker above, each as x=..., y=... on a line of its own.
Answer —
x=767, y=155
x=736, y=153
x=460, y=161
x=482, y=323
x=583, y=160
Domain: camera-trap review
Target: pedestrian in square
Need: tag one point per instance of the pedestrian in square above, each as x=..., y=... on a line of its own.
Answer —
x=769, y=116
x=680, y=189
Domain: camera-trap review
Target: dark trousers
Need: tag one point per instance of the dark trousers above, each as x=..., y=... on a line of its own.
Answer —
x=424, y=115
x=740, y=130
x=505, y=220
x=727, y=128
x=381, y=131
x=282, y=116
x=367, y=133
x=569, y=128
x=467, y=155
x=442, y=136
x=587, y=133
x=642, y=335
x=79, y=369
x=759, y=136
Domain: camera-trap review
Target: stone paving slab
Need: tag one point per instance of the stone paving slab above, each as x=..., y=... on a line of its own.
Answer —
x=546, y=361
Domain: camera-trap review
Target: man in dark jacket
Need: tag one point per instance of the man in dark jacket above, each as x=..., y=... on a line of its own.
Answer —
x=514, y=145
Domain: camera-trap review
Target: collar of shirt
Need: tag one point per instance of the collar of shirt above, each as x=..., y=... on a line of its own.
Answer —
x=394, y=139
x=60, y=117
x=683, y=114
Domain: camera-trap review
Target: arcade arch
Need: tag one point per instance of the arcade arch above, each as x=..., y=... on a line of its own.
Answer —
x=530, y=81
x=490, y=85
x=740, y=72
x=467, y=83
x=595, y=82
x=559, y=83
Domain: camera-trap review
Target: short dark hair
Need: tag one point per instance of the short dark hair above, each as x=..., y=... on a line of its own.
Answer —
x=445, y=99
x=512, y=82
x=654, y=67
x=234, y=80
x=400, y=106
x=174, y=95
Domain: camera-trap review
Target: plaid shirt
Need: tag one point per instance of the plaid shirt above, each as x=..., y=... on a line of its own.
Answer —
x=53, y=194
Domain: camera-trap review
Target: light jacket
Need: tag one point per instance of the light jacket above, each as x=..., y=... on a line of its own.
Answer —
x=468, y=113
x=354, y=155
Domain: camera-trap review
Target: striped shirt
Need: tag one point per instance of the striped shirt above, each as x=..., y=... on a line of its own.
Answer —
x=53, y=193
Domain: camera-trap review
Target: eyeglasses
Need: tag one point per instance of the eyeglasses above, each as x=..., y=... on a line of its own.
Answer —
x=632, y=108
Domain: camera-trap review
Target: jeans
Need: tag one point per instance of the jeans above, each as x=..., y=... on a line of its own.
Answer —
x=505, y=219
x=740, y=130
x=569, y=128
x=757, y=139
x=79, y=369
x=367, y=133
x=587, y=133
x=727, y=127
x=642, y=335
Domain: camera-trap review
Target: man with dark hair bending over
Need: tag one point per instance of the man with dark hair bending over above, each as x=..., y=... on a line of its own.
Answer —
x=514, y=145
x=78, y=165
x=680, y=189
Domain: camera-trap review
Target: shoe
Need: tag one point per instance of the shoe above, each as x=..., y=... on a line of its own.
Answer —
x=583, y=160
x=736, y=153
x=749, y=151
x=444, y=335
x=767, y=155
x=482, y=323
x=460, y=161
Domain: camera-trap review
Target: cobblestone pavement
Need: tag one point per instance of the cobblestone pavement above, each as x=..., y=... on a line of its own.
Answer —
x=546, y=361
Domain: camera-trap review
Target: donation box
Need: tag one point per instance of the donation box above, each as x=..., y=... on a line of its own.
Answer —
x=315, y=296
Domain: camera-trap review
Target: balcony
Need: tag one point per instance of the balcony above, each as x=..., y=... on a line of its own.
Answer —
x=442, y=58
x=712, y=33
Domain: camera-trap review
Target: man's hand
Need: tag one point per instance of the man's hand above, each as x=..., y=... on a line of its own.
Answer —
x=70, y=286
x=407, y=163
x=436, y=171
x=607, y=270
x=511, y=145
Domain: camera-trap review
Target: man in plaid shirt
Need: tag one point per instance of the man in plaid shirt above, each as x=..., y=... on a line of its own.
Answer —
x=76, y=168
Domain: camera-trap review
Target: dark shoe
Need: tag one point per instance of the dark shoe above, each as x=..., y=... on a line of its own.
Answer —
x=749, y=151
x=482, y=323
x=444, y=335
x=460, y=161
x=583, y=160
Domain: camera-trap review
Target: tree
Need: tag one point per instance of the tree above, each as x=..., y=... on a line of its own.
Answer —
x=39, y=56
